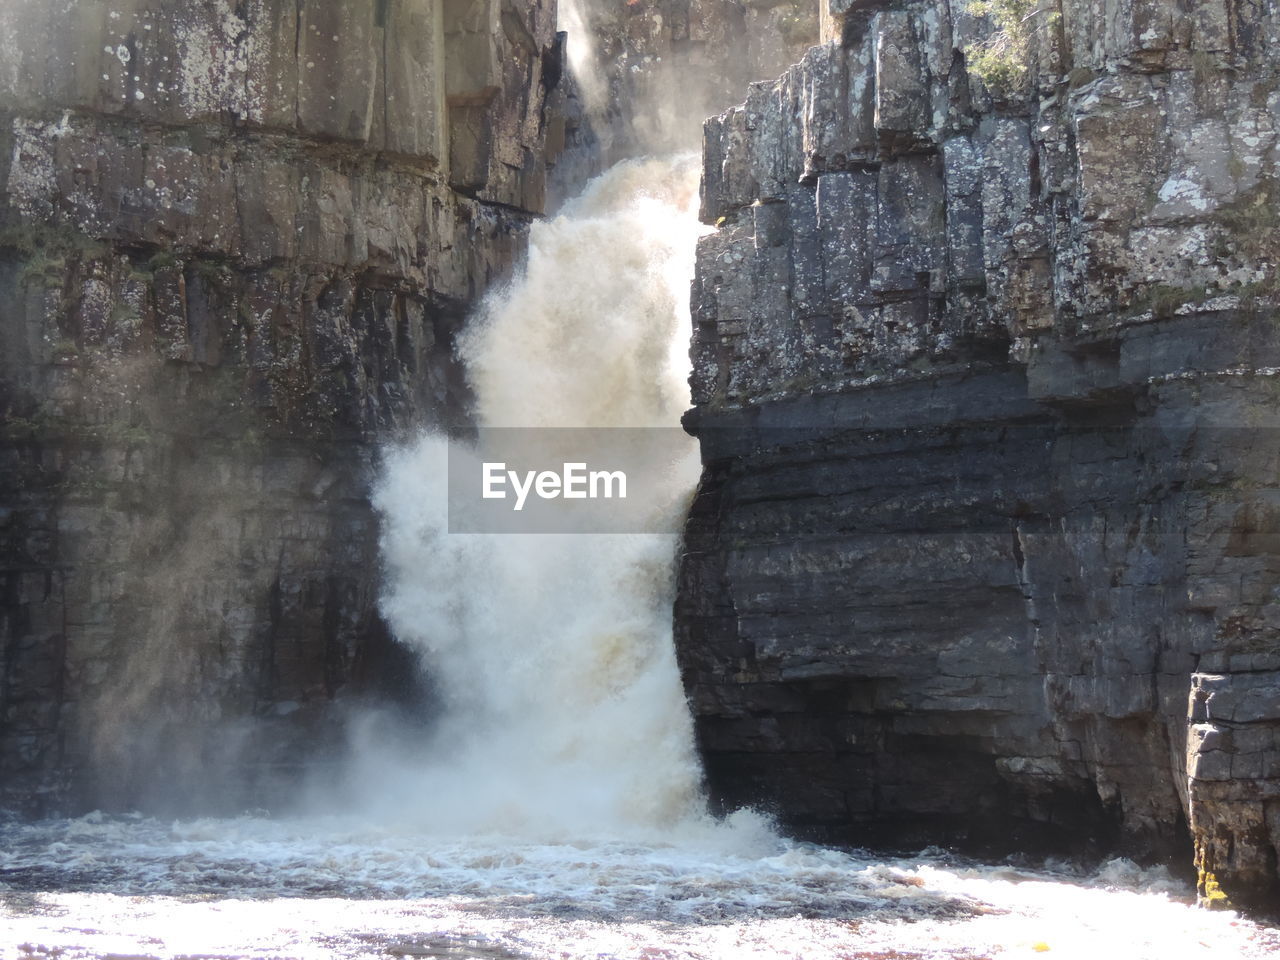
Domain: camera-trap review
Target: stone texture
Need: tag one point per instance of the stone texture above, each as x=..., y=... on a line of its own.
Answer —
x=236, y=241
x=986, y=388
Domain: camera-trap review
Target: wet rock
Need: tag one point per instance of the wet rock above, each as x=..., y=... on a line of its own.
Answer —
x=985, y=384
x=236, y=242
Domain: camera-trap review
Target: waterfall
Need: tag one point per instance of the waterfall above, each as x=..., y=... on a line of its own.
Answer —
x=554, y=809
x=562, y=704
x=576, y=21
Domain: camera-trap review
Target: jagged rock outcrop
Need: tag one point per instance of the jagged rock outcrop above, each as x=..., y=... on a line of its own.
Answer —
x=985, y=379
x=235, y=241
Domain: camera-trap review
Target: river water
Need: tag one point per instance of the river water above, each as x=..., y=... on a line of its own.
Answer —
x=328, y=887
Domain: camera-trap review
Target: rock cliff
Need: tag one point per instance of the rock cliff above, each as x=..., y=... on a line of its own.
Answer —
x=236, y=239
x=985, y=376
x=236, y=242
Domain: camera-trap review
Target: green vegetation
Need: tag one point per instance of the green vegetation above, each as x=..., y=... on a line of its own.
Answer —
x=1164, y=300
x=13, y=427
x=126, y=324
x=1002, y=61
x=214, y=271
x=46, y=427
x=1254, y=221
x=1252, y=224
x=64, y=350
x=46, y=250
x=1248, y=237
x=161, y=261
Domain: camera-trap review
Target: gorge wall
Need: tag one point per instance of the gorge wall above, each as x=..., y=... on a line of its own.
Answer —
x=985, y=380
x=237, y=243
x=236, y=240
x=985, y=376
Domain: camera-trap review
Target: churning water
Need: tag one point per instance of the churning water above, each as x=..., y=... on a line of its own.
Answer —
x=563, y=711
x=346, y=888
x=554, y=810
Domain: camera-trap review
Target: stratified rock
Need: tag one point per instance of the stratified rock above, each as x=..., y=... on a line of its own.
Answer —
x=985, y=381
x=236, y=240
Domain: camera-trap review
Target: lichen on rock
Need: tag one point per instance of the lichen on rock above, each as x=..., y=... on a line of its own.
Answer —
x=985, y=382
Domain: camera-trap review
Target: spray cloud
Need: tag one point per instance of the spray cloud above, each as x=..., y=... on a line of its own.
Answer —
x=562, y=706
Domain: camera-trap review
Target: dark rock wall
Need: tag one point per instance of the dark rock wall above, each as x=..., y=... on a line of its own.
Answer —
x=985, y=378
x=235, y=242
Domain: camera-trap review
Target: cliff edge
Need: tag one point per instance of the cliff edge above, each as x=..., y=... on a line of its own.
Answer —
x=985, y=375
x=236, y=241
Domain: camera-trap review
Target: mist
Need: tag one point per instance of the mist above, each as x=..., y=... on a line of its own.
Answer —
x=561, y=709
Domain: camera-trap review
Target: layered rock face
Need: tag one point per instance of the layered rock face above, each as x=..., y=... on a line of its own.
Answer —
x=235, y=241
x=985, y=379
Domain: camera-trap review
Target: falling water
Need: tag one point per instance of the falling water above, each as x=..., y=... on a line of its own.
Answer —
x=563, y=705
x=575, y=19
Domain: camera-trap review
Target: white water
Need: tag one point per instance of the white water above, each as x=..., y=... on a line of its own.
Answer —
x=564, y=714
x=342, y=888
x=554, y=811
